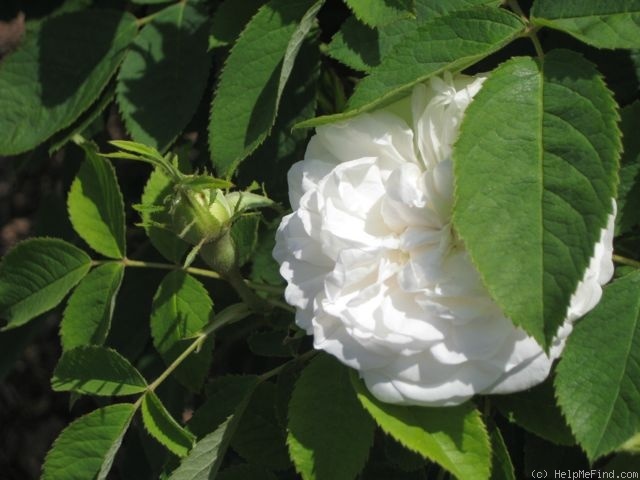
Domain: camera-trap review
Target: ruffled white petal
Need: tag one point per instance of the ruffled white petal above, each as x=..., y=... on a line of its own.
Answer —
x=377, y=274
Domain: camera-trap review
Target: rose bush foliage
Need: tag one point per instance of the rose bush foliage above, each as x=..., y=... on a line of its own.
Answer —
x=450, y=191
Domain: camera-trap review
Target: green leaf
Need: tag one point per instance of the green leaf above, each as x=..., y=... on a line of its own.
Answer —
x=260, y=438
x=601, y=23
x=95, y=204
x=181, y=308
x=87, y=318
x=163, y=427
x=599, y=402
x=156, y=191
x=224, y=395
x=230, y=19
x=530, y=224
x=453, y=437
x=36, y=275
x=448, y=43
x=381, y=12
x=246, y=472
x=246, y=102
x=205, y=458
x=629, y=189
x=329, y=432
x=86, y=448
x=63, y=64
x=536, y=411
x=164, y=75
x=244, y=232
x=362, y=48
x=96, y=370
x=501, y=467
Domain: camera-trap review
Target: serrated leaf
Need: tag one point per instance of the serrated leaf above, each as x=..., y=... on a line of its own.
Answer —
x=156, y=191
x=63, y=64
x=536, y=411
x=453, y=437
x=36, y=275
x=329, y=432
x=246, y=102
x=230, y=19
x=260, y=439
x=246, y=472
x=164, y=75
x=601, y=23
x=448, y=43
x=96, y=208
x=95, y=370
x=84, y=122
x=224, y=395
x=181, y=308
x=530, y=224
x=87, y=318
x=629, y=188
x=205, y=458
x=599, y=402
x=362, y=47
x=381, y=12
x=244, y=232
x=163, y=427
x=86, y=448
x=501, y=466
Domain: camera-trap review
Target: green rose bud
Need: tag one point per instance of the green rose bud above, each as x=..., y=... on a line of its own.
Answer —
x=200, y=217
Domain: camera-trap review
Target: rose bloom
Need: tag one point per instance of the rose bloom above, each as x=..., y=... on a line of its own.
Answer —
x=377, y=273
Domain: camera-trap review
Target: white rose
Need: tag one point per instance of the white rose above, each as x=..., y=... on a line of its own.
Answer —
x=378, y=275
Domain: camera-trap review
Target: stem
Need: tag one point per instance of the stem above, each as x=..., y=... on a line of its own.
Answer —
x=231, y=314
x=162, y=266
x=302, y=358
x=626, y=261
x=531, y=29
x=254, y=302
x=265, y=287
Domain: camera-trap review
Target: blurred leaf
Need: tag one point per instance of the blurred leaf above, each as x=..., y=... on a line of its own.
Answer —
x=501, y=467
x=552, y=198
x=163, y=427
x=536, y=410
x=224, y=395
x=74, y=457
x=96, y=208
x=381, y=12
x=454, y=437
x=244, y=232
x=260, y=439
x=96, y=370
x=362, y=47
x=63, y=64
x=329, y=432
x=541, y=455
x=629, y=188
x=87, y=318
x=270, y=344
x=164, y=75
x=255, y=74
x=601, y=23
x=599, y=401
x=12, y=345
x=448, y=43
x=36, y=275
x=230, y=18
x=181, y=308
x=246, y=472
x=265, y=268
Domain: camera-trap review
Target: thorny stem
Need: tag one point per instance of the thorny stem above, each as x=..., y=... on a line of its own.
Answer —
x=626, y=261
x=531, y=29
